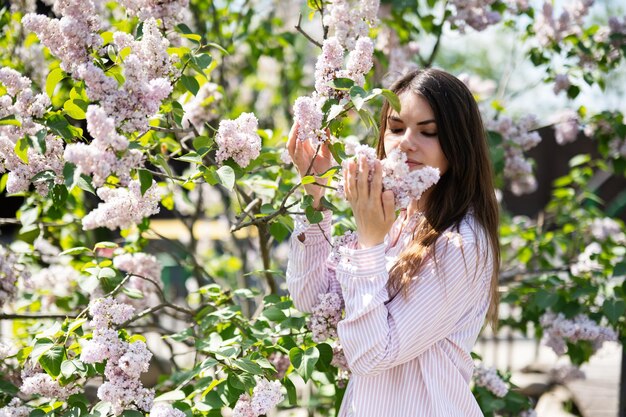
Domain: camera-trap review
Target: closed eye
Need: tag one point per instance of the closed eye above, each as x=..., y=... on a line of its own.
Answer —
x=396, y=130
x=430, y=134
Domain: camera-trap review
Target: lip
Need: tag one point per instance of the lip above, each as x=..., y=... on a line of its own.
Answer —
x=413, y=163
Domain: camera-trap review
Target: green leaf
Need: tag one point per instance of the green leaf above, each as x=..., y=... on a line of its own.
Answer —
x=10, y=120
x=313, y=216
x=392, y=98
x=304, y=361
x=247, y=365
x=613, y=310
x=75, y=251
x=132, y=413
x=190, y=83
x=41, y=347
x=545, y=299
x=75, y=108
x=292, y=394
x=105, y=245
x=191, y=157
x=7, y=388
x=279, y=231
x=227, y=177
x=59, y=124
x=51, y=360
x=579, y=160
x=309, y=179
x=203, y=60
x=274, y=314
x=176, y=395
x=342, y=83
x=21, y=148
x=200, y=142
x=145, y=179
x=54, y=77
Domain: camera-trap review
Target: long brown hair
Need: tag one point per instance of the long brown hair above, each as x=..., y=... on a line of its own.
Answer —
x=467, y=183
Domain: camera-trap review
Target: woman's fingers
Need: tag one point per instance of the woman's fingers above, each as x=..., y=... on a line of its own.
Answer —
x=362, y=179
x=389, y=206
x=291, y=141
x=376, y=187
x=350, y=182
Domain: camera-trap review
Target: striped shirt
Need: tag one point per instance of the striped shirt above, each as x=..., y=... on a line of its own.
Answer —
x=409, y=356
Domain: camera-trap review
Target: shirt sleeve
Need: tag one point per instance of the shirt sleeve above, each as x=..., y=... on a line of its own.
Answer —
x=308, y=272
x=378, y=333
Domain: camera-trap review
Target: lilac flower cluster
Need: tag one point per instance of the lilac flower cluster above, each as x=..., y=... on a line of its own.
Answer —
x=265, y=396
x=340, y=361
x=528, y=413
x=142, y=267
x=165, y=410
x=280, y=362
x=9, y=273
x=517, y=138
x=586, y=261
x=488, y=378
x=72, y=36
x=607, y=228
x=406, y=185
x=100, y=158
x=308, y=116
x=123, y=207
x=124, y=361
x=146, y=85
x=53, y=282
x=202, y=107
x=14, y=409
x=566, y=127
x=565, y=374
x=549, y=29
x=169, y=11
x=401, y=58
x=479, y=87
x=350, y=20
x=348, y=240
x=558, y=330
x=561, y=83
x=603, y=128
x=40, y=383
x=473, y=13
x=238, y=139
x=324, y=317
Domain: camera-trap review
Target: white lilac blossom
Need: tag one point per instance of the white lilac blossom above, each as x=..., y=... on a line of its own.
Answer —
x=21, y=176
x=265, y=396
x=586, y=261
x=406, y=185
x=473, y=13
x=360, y=59
x=479, y=87
x=170, y=11
x=5, y=351
x=161, y=409
x=42, y=384
x=123, y=207
x=72, y=36
x=202, y=107
x=558, y=330
x=607, y=228
x=308, y=116
x=145, y=276
x=488, y=378
x=528, y=413
x=566, y=127
x=106, y=312
x=53, y=282
x=347, y=240
x=238, y=139
x=14, y=409
x=566, y=373
x=325, y=316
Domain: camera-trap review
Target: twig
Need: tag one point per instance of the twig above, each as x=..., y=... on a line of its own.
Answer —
x=35, y=316
x=306, y=35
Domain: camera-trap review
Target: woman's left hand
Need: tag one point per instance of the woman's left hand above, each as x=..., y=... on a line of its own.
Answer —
x=373, y=209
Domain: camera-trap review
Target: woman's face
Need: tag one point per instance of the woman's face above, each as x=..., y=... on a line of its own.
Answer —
x=414, y=131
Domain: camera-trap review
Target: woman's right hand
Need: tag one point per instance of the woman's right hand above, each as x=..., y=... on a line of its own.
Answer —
x=302, y=154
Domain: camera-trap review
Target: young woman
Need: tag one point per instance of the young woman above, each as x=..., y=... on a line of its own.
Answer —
x=416, y=288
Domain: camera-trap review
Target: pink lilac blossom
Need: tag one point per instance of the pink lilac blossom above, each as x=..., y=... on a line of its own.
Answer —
x=558, y=330
x=10, y=271
x=401, y=57
x=566, y=127
x=165, y=410
x=136, y=360
x=123, y=207
x=14, y=409
x=360, y=59
x=102, y=129
x=243, y=407
x=71, y=37
x=54, y=282
x=549, y=29
x=105, y=344
x=308, y=116
x=528, y=413
x=349, y=20
x=565, y=374
x=473, y=13
x=202, y=108
x=280, y=362
x=101, y=163
x=145, y=273
x=561, y=83
x=42, y=384
x=238, y=139
x=348, y=239
x=329, y=62
x=324, y=317
x=479, y=87
x=488, y=378
x=13, y=81
x=22, y=174
x=106, y=312
x=169, y=11
x=265, y=396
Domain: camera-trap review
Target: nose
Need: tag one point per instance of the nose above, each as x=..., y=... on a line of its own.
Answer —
x=408, y=142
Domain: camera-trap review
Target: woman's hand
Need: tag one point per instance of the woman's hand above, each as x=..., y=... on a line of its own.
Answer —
x=374, y=210
x=302, y=153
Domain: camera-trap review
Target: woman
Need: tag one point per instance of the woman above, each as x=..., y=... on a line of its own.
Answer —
x=416, y=288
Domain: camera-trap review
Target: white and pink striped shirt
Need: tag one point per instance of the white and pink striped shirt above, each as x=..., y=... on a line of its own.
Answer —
x=409, y=356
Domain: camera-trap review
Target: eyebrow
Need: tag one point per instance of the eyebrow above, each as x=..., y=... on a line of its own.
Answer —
x=423, y=122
